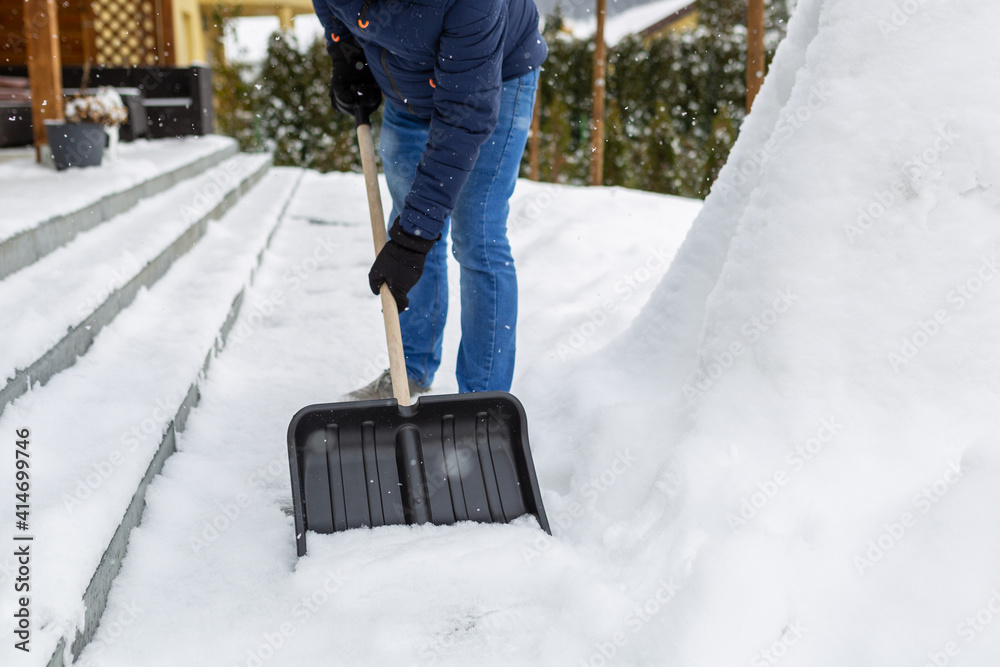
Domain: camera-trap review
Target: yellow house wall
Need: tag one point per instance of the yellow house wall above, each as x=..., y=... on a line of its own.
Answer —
x=190, y=41
x=264, y=7
x=189, y=37
x=685, y=24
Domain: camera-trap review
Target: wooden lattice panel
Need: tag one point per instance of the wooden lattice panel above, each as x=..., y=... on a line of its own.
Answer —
x=127, y=32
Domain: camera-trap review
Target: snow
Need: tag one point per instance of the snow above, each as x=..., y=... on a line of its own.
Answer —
x=61, y=291
x=96, y=426
x=308, y=332
x=629, y=22
x=32, y=194
x=105, y=106
x=824, y=487
x=780, y=450
x=246, y=38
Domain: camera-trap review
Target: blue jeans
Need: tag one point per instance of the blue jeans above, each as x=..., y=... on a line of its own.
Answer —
x=478, y=227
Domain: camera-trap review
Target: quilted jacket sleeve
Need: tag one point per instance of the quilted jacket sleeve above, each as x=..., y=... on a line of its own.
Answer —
x=466, y=104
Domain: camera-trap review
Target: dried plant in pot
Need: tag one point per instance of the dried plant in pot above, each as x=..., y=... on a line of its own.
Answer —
x=92, y=120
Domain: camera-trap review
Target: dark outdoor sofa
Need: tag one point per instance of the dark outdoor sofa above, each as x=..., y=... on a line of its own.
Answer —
x=162, y=101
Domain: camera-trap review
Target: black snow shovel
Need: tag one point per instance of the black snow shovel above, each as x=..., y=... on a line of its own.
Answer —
x=443, y=459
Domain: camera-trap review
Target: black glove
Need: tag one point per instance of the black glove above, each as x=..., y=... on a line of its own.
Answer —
x=352, y=85
x=400, y=264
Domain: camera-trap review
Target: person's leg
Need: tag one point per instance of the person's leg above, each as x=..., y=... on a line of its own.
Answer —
x=401, y=145
x=479, y=237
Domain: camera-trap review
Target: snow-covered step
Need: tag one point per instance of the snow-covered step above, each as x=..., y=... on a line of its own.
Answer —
x=41, y=210
x=63, y=300
x=102, y=429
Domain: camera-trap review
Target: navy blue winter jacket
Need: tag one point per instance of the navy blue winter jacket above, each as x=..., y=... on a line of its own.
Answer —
x=441, y=60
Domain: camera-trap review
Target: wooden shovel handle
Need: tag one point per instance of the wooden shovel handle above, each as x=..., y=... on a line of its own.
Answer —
x=390, y=314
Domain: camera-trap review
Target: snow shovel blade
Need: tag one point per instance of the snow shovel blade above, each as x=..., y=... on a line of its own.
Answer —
x=441, y=460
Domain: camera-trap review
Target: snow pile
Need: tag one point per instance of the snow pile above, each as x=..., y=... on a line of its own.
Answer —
x=812, y=393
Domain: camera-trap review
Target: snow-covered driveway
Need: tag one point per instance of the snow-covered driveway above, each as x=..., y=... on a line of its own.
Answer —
x=211, y=577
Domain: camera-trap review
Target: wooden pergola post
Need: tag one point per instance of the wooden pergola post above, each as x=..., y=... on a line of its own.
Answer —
x=755, y=49
x=166, y=55
x=286, y=19
x=41, y=32
x=597, y=120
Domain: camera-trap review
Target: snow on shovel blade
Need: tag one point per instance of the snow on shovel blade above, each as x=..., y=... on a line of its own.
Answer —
x=444, y=459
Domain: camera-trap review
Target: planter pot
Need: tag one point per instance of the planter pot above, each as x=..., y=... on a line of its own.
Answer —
x=76, y=144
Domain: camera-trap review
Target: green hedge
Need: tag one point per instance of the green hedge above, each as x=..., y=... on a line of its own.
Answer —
x=673, y=109
x=674, y=105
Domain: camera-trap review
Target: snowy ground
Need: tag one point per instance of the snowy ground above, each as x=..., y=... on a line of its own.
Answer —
x=782, y=452
x=810, y=397
x=31, y=193
x=214, y=560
